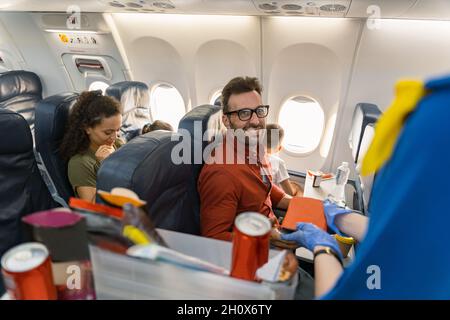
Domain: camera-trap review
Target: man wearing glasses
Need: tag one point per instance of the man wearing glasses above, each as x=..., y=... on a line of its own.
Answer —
x=229, y=188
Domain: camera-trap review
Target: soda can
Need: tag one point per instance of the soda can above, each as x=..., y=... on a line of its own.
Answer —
x=27, y=272
x=250, y=244
x=317, y=178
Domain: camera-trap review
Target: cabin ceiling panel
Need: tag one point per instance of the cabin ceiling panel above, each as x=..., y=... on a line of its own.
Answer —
x=407, y=9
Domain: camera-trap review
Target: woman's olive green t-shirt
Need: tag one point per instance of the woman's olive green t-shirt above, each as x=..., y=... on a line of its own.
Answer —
x=82, y=168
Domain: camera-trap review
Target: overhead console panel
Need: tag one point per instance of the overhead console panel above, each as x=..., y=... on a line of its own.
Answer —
x=318, y=8
x=384, y=9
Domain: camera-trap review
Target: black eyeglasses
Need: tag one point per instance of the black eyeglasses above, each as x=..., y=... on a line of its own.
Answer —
x=247, y=113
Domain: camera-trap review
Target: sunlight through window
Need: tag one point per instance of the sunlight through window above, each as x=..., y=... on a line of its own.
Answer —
x=98, y=85
x=302, y=119
x=216, y=98
x=166, y=103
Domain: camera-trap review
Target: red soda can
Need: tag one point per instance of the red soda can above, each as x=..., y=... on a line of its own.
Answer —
x=250, y=244
x=27, y=272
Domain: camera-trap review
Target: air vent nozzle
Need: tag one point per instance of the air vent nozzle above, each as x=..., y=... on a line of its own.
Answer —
x=291, y=7
x=163, y=5
x=116, y=4
x=268, y=6
x=333, y=8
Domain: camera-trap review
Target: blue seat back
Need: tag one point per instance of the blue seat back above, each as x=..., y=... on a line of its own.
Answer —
x=20, y=91
x=22, y=190
x=52, y=115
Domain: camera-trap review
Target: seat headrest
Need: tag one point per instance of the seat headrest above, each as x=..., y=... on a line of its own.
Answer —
x=131, y=94
x=15, y=83
x=145, y=165
x=364, y=114
x=15, y=132
x=366, y=140
x=51, y=117
x=200, y=120
x=366, y=181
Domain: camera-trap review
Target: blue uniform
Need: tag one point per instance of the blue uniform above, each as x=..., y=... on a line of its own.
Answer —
x=406, y=254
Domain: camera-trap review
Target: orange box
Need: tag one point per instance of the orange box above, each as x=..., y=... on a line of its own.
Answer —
x=304, y=210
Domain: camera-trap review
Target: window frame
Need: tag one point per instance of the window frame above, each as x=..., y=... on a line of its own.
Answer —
x=96, y=80
x=307, y=153
x=214, y=93
x=152, y=86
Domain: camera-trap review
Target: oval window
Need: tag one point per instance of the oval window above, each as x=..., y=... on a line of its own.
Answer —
x=302, y=119
x=98, y=85
x=167, y=104
x=216, y=98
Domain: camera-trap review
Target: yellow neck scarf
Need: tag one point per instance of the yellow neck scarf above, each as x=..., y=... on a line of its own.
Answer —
x=407, y=95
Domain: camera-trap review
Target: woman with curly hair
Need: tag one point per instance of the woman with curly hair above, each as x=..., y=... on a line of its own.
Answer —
x=91, y=136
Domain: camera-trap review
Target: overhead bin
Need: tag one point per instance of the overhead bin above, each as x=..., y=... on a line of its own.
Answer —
x=83, y=70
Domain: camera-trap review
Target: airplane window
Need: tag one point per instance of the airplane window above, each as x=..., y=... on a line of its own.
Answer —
x=98, y=85
x=303, y=121
x=166, y=103
x=216, y=98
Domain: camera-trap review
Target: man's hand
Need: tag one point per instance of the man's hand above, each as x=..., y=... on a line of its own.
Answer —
x=289, y=268
x=284, y=203
x=103, y=152
x=275, y=239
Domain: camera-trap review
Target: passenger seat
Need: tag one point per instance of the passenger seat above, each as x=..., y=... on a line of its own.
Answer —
x=364, y=118
x=147, y=165
x=52, y=115
x=22, y=190
x=20, y=91
x=135, y=101
x=366, y=181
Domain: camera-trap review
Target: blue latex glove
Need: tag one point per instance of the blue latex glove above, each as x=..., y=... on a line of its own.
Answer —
x=310, y=236
x=331, y=211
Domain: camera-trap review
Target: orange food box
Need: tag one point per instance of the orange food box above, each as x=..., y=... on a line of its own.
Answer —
x=302, y=209
x=81, y=204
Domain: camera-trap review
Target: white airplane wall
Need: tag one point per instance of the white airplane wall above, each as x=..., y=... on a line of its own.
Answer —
x=313, y=58
x=399, y=49
x=196, y=54
x=33, y=52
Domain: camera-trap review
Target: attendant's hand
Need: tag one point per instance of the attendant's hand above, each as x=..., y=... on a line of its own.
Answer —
x=103, y=152
x=310, y=236
x=331, y=211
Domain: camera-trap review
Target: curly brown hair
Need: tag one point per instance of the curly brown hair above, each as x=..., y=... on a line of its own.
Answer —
x=89, y=110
